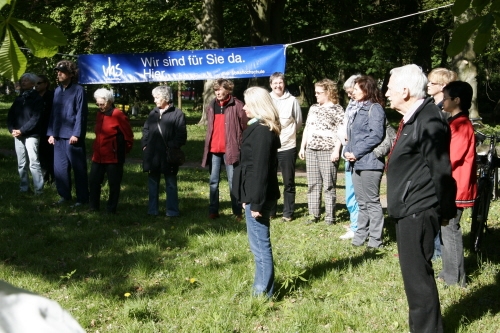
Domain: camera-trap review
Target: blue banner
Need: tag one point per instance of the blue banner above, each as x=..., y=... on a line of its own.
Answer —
x=241, y=62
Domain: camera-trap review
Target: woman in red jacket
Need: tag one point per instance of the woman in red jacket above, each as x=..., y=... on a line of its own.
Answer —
x=457, y=101
x=113, y=139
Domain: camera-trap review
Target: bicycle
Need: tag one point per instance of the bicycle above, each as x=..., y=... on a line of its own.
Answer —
x=487, y=163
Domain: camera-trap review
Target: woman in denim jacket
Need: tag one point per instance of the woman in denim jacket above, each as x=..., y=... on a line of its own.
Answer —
x=365, y=131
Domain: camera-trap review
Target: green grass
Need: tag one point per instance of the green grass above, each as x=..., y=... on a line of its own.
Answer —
x=192, y=274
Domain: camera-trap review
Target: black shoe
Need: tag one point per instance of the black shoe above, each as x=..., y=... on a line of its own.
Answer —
x=312, y=219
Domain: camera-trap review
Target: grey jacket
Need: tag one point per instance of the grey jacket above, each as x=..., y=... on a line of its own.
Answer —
x=365, y=131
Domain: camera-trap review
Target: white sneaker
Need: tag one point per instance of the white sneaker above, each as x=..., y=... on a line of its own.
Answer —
x=348, y=235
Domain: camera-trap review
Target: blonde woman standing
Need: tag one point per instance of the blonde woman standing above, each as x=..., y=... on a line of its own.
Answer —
x=255, y=182
x=320, y=148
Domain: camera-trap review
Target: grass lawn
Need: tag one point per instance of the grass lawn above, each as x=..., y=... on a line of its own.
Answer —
x=133, y=273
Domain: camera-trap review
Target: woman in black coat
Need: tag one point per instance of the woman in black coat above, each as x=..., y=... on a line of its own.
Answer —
x=255, y=181
x=165, y=126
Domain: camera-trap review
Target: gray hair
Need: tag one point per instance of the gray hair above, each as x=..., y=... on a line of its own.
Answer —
x=105, y=94
x=277, y=75
x=164, y=92
x=411, y=77
x=350, y=82
x=30, y=76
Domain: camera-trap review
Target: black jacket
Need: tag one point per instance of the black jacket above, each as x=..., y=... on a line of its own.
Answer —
x=419, y=169
x=255, y=179
x=173, y=127
x=25, y=112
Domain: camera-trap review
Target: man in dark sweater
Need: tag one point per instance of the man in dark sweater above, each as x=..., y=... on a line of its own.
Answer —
x=66, y=131
x=420, y=191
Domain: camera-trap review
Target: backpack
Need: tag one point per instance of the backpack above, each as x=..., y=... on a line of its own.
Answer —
x=385, y=146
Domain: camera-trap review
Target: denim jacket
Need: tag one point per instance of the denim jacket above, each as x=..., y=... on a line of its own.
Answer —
x=365, y=131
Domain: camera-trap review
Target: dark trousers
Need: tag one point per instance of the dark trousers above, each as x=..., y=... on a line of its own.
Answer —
x=286, y=163
x=96, y=178
x=415, y=237
x=46, y=158
x=67, y=157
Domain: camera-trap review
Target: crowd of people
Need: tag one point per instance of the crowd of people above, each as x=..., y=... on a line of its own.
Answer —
x=430, y=168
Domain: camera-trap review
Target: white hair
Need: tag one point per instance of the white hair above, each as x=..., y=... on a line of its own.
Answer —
x=411, y=77
x=350, y=82
x=105, y=94
x=164, y=92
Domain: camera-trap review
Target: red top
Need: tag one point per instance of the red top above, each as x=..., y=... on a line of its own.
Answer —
x=113, y=137
x=463, y=159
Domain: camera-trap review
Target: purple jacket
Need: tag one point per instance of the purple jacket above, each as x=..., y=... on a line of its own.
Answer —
x=236, y=122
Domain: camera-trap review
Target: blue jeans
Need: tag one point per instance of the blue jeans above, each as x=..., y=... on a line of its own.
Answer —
x=214, y=168
x=350, y=199
x=259, y=238
x=27, y=155
x=172, y=205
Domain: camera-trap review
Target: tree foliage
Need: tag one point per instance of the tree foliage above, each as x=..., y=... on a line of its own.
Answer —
x=41, y=39
x=486, y=15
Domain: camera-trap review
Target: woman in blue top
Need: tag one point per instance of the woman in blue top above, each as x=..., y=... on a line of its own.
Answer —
x=365, y=131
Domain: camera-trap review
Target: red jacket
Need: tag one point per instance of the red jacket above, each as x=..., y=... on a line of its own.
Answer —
x=463, y=159
x=113, y=137
x=235, y=123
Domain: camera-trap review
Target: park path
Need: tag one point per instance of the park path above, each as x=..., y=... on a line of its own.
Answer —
x=197, y=165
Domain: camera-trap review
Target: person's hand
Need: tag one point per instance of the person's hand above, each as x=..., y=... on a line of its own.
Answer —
x=51, y=140
x=73, y=140
x=244, y=205
x=350, y=157
x=335, y=156
x=16, y=133
x=302, y=155
x=255, y=214
x=144, y=148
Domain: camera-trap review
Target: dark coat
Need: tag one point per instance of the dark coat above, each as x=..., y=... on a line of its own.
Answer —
x=364, y=133
x=25, y=112
x=419, y=169
x=173, y=126
x=235, y=123
x=255, y=179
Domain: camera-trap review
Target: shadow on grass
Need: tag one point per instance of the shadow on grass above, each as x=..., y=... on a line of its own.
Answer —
x=319, y=270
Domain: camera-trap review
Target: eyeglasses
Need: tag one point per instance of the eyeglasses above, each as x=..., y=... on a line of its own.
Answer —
x=318, y=92
x=100, y=104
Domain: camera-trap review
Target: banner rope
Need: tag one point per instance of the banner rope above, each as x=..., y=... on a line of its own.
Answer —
x=369, y=25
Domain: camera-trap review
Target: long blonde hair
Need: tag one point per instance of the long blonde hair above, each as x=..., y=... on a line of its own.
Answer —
x=259, y=103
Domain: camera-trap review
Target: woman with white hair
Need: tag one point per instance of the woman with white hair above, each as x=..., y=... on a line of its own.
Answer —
x=113, y=139
x=165, y=128
x=255, y=181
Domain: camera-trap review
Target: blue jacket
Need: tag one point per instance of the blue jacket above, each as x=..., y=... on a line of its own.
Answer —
x=69, y=113
x=365, y=131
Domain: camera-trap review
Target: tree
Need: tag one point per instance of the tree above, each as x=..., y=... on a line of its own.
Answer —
x=41, y=39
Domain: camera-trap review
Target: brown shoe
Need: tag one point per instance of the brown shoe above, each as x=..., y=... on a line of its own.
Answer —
x=238, y=217
x=213, y=216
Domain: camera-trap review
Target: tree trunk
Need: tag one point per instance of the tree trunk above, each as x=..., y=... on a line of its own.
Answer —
x=464, y=64
x=209, y=25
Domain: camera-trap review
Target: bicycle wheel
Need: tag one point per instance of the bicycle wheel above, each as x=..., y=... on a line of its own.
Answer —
x=480, y=213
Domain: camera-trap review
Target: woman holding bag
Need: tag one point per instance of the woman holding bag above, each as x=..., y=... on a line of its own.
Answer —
x=365, y=131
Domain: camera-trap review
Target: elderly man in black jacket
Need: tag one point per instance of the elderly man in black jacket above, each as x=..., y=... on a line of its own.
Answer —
x=420, y=191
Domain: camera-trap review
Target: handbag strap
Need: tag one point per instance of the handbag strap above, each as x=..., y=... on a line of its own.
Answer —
x=161, y=133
